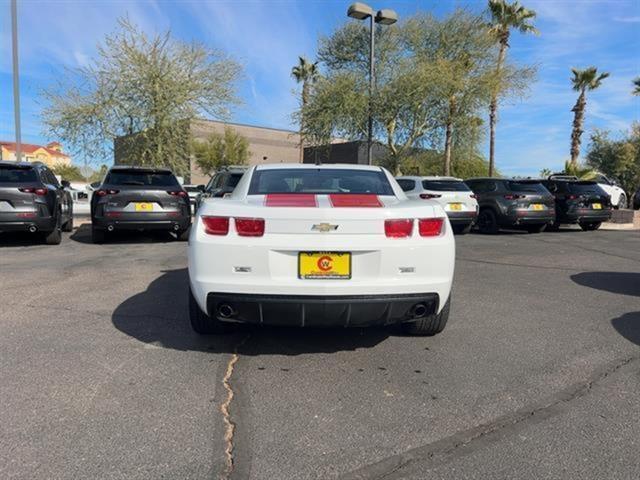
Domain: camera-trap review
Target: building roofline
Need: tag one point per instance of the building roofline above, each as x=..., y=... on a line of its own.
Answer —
x=236, y=124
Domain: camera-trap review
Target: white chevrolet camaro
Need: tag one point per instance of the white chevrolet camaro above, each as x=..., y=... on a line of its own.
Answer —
x=320, y=245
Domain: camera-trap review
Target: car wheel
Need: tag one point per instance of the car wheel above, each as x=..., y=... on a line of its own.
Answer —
x=487, y=222
x=536, y=228
x=203, y=323
x=183, y=235
x=68, y=226
x=622, y=201
x=431, y=325
x=97, y=235
x=553, y=227
x=461, y=229
x=54, y=237
x=587, y=227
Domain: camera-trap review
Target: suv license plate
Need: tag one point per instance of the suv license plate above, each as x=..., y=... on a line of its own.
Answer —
x=324, y=265
x=537, y=206
x=596, y=206
x=144, y=207
x=455, y=206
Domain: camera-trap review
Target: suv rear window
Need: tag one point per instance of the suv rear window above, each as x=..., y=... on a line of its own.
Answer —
x=319, y=181
x=585, y=187
x=445, y=185
x=10, y=174
x=145, y=178
x=531, y=187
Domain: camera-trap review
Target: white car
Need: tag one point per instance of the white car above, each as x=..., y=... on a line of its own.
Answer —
x=617, y=194
x=320, y=245
x=451, y=193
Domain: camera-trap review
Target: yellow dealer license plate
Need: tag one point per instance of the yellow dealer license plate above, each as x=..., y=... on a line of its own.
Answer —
x=455, y=206
x=144, y=206
x=596, y=206
x=324, y=265
x=537, y=206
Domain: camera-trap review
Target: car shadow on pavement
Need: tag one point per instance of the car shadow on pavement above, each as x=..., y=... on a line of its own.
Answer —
x=83, y=235
x=160, y=316
x=623, y=283
x=628, y=325
x=20, y=239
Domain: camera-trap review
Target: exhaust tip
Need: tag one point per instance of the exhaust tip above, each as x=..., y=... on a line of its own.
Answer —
x=33, y=229
x=176, y=227
x=110, y=228
x=419, y=310
x=226, y=311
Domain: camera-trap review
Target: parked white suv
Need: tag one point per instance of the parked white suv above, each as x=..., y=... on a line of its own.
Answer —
x=457, y=200
x=617, y=194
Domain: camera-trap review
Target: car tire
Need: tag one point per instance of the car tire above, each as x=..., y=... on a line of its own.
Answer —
x=552, y=227
x=97, y=235
x=536, y=228
x=588, y=227
x=488, y=222
x=183, y=235
x=461, y=229
x=622, y=202
x=203, y=323
x=431, y=325
x=68, y=226
x=55, y=236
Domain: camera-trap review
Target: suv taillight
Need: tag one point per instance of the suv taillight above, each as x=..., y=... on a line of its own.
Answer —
x=400, y=228
x=109, y=191
x=250, y=227
x=473, y=195
x=430, y=227
x=216, y=225
x=428, y=196
x=37, y=191
x=179, y=193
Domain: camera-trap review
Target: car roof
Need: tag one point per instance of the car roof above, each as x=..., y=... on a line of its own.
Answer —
x=324, y=166
x=9, y=163
x=115, y=168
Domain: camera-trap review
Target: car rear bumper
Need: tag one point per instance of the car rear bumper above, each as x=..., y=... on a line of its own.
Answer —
x=586, y=215
x=145, y=221
x=462, y=218
x=321, y=311
x=528, y=217
x=13, y=223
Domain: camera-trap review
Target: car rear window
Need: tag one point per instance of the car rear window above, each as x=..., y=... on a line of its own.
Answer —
x=10, y=174
x=319, y=181
x=530, y=187
x=145, y=178
x=445, y=185
x=585, y=187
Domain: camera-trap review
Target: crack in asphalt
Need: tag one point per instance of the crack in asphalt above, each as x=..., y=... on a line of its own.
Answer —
x=442, y=450
x=229, y=423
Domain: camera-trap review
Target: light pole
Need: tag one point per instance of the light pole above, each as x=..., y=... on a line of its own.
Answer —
x=362, y=11
x=16, y=81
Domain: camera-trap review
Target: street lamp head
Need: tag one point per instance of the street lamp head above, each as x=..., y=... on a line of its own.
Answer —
x=359, y=11
x=386, y=17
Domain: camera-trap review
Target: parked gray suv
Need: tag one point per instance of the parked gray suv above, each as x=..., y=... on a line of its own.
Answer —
x=512, y=203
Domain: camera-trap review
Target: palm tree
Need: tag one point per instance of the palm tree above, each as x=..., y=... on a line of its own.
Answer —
x=636, y=83
x=504, y=17
x=306, y=73
x=583, y=80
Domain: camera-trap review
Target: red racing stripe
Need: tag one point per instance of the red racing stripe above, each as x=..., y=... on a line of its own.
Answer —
x=354, y=200
x=290, y=200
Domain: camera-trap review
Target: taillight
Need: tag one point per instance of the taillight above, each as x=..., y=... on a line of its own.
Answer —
x=513, y=197
x=427, y=196
x=400, y=228
x=179, y=193
x=572, y=197
x=250, y=227
x=108, y=191
x=430, y=227
x=37, y=191
x=216, y=225
x=473, y=195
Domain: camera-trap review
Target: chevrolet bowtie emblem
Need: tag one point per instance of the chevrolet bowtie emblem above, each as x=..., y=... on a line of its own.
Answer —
x=324, y=227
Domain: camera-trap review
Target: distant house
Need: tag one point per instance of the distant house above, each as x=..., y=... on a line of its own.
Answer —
x=51, y=154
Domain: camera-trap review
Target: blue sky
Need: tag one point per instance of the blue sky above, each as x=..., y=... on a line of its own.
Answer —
x=267, y=36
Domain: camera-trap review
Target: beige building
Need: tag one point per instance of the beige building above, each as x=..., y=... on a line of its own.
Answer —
x=266, y=145
x=50, y=154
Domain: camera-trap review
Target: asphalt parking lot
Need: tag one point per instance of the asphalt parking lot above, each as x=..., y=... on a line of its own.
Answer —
x=536, y=376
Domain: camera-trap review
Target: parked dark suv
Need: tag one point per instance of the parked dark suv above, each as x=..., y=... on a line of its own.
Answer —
x=140, y=198
x=222, y=183
x=581, y=202
x=512, y=203
x=32, y=200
